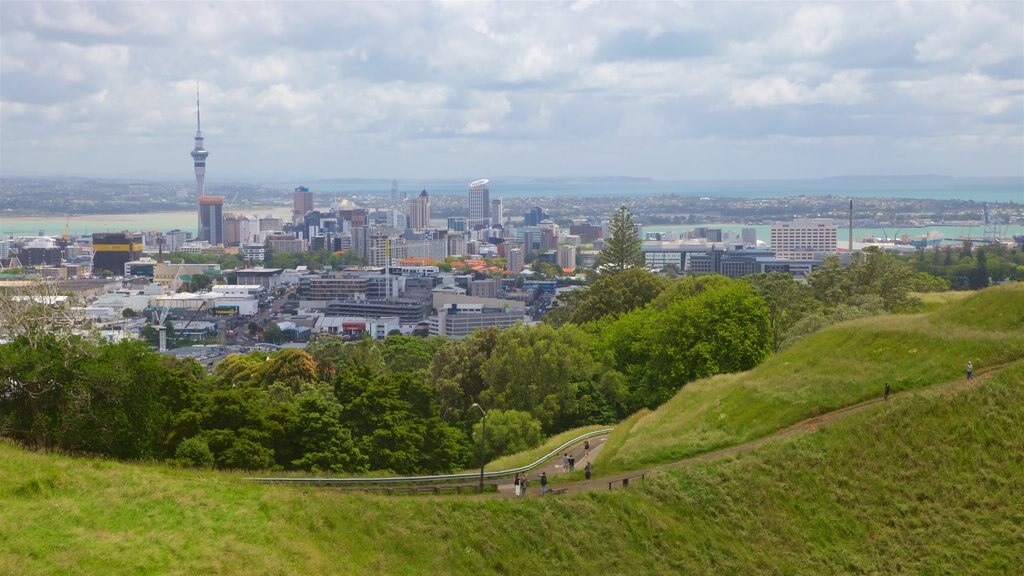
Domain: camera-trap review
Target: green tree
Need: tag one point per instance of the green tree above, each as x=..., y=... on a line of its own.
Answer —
x=538, y=370
x=508, y=432
x=272, y=333
x=622, y=247
x=609, y=295
x=409, y=353
x=321, y=437
x=698, y=327
x=788, y=301
x=194, y=452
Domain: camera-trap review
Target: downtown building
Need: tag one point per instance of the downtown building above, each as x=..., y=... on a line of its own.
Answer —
x=211, y=220
x=111, y=251
x=479, y=204
x=419, y=212
x=804, y=239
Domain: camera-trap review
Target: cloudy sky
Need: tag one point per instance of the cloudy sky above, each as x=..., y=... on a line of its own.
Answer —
x=443, y=89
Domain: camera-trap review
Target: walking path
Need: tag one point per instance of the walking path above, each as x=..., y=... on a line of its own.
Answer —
x=554, y=467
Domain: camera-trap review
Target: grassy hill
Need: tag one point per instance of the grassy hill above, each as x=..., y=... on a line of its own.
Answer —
x=930, y=482
x=837, y=367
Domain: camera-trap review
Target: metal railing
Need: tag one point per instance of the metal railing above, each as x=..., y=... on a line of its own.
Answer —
x=438, y=477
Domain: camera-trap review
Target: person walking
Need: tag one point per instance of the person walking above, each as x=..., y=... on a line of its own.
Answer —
x=970, y=369
x=516, y=484
x=586, y=447
x=586, y=470
x=886, y=391
x=543, y=483
x=565, y=461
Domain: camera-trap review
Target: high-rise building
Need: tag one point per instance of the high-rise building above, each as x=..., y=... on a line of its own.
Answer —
x=567, y=257
x=111, y=251
x=419, y=212
x=199, y=153
x=479, y=204
x=497, y=212
x=302, y=202
x=515, y=261
x=211, y=219
x=804, y=240
x=535, y=216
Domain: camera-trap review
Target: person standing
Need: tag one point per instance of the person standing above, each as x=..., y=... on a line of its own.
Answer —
x=572, y=462
x=886, y=391
x=970, y=369
x=543, y=483
x=586, y=470
x=523, y=484
x=516, y=484
x=586, y=447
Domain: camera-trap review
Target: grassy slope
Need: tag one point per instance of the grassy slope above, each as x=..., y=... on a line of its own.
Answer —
x=836, y=367
x=923, y=484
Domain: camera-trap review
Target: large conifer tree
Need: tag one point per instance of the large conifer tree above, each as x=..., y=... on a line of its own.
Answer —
x=622, y=247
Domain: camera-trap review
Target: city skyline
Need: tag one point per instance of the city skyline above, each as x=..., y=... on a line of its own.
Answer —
x=663, y=90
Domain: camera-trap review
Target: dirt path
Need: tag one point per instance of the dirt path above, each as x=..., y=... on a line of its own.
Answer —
x=805, y=426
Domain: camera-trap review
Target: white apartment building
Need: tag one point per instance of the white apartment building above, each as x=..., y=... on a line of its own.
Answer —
x=804, y=239
x=567, y=257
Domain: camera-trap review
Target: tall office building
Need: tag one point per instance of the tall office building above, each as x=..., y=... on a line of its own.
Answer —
x=419, y=212
x=803, y=240
x=199, y=153
x=302, y=202
x=111, y=251
x=211, y=219
x=479, y=204
x=497, y=212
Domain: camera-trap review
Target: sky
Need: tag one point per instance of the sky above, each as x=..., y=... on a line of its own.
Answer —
x=667, y=90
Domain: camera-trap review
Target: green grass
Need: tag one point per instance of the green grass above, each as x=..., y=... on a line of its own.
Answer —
x=839, y=366
x=928, y=483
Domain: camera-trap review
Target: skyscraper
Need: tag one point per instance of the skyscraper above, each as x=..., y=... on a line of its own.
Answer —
x=479, y=204
x=199, y=153
x=302, y=202
x=211, y=219
x=419, y=212
x=497, y=212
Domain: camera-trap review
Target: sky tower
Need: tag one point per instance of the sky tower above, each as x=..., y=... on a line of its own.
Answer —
x=199, y=153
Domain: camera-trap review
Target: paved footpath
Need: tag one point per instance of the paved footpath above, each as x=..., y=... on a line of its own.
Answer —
x=554, y=468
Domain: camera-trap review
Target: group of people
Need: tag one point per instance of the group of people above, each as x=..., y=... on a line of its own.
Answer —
x=522, y=480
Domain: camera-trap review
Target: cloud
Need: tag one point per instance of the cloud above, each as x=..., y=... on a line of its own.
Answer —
x=528, y=88
x=843, y=88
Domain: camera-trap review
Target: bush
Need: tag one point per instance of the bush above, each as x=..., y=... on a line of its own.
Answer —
x=194, y=452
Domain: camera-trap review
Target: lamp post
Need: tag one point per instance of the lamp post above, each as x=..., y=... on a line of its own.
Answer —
x=483, y=440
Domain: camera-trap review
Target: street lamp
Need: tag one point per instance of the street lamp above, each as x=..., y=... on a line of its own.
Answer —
x=483, y=440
